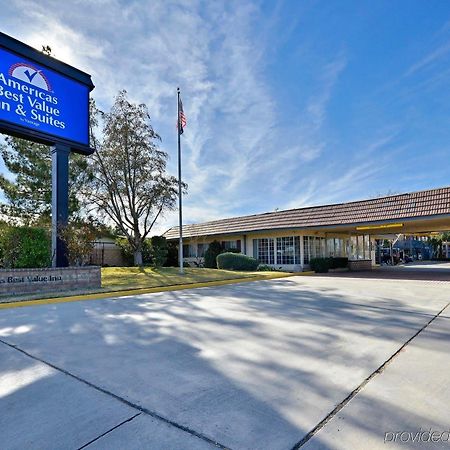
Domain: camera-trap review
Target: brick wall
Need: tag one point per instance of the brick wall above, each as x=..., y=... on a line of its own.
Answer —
x=360, y=264
x=26, y=281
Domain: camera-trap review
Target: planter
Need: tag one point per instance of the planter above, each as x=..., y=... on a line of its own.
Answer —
x=36, y=281
x=360, y=265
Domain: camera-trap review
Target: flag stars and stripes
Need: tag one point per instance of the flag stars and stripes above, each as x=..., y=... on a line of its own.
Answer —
x=181, y=117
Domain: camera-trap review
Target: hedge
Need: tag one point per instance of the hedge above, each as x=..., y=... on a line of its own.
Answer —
x=322, y=265
x=338, y=262
x=25, y=247
x=172, y=254
x=158, y=251
x=267, y=268
x=236, y=261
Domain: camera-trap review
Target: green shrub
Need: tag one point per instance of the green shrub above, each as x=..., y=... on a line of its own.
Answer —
x=25, y=247
x=236, y=261
x=320, y=265
x=158, y=251
x=267, y=268
x=172, y=254
x=338, y=262
x=79, y=238
x=214, y=249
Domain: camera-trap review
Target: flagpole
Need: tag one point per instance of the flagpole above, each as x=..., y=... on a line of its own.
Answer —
x=180, y=193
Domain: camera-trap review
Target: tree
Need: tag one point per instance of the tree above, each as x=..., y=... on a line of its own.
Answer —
x=130, y=185
x=437, y=243
x=128, y=253
x=28, y=193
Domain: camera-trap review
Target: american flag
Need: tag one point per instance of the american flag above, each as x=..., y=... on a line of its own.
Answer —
x=182, y=118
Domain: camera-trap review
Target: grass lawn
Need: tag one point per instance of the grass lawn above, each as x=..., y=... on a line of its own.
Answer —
x=116, y=278
x=129, y=278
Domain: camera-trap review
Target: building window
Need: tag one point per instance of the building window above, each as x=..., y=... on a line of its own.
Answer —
x=353, y=248
x=313, y=247
x=231, y=244
x=367, y=248
x=340, y=247
x=359, y=247
x=306, y=250
x=263, y=250
x=201, y=249
x=318, y=247
x=331, y=251
x=187, y=251
x=285, y=250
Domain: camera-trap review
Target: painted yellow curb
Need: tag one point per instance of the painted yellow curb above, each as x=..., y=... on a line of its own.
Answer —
x=152, y=290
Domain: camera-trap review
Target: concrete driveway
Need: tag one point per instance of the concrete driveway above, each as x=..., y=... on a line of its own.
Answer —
x=419, y=270
x=304, y=362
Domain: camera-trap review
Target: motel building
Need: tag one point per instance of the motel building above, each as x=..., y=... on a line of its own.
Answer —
x=289, y=239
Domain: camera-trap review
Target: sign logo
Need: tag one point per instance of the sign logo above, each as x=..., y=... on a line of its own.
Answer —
x=29, y=74
x=42, y=100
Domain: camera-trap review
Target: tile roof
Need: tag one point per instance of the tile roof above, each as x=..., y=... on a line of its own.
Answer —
x=394, y=207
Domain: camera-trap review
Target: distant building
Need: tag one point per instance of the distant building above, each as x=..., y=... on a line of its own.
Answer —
x=107, y=253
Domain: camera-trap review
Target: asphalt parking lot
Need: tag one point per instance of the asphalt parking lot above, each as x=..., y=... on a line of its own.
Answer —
x=303, y=362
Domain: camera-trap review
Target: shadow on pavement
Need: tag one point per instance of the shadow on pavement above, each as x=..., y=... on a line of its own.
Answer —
x=254, y=365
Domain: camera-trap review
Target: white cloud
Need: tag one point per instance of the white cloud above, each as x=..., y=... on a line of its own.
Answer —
x=432, y=57
x=347, y=179
x=240, y=155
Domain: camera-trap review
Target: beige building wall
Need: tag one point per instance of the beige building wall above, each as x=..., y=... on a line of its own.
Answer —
x=248, y=238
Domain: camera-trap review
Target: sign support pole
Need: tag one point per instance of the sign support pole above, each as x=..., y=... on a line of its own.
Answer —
x=180, y=191
x=60, y=202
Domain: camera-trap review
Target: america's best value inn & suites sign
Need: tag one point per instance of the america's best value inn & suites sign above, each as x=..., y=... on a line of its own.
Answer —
x=40, y=99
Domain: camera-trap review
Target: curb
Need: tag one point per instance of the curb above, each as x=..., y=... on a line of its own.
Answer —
x=152, y=290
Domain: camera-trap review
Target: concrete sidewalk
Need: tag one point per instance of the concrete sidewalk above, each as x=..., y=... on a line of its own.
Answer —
x=44, y=408
x=406, y=406
x=256, y=365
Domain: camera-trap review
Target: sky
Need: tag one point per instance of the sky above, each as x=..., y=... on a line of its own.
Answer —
x=289, y=103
